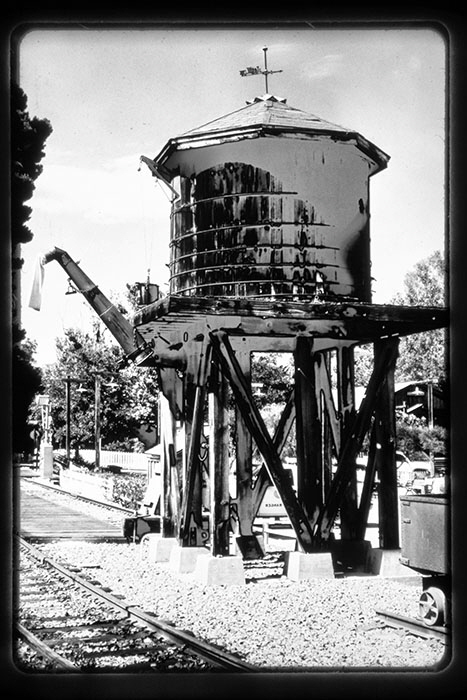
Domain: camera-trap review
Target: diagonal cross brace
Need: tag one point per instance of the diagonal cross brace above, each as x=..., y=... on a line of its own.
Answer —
x=279, y=439
x=255, y=423
x=352, y=446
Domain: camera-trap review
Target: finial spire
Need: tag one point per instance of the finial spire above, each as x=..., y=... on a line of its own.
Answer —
x=257, y=71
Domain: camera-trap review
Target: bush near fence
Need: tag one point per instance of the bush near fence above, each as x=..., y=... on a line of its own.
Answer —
x=126, y=490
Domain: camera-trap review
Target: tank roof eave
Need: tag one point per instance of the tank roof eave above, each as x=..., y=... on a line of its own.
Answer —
x=211, y=138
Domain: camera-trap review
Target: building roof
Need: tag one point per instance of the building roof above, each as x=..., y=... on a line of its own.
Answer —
x=267, y=115
x=267, y=110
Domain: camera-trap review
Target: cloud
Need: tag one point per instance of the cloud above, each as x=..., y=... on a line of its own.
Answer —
x=324, y=67
x=114, y=192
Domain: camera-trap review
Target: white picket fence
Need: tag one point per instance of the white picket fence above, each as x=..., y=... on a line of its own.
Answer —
x=128, y=461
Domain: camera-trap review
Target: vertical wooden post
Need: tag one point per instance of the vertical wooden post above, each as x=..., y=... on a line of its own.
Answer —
x=346, y=393
x=308, y=431
x=367, y=489
x=244, y=461
x=219, y=463
x=191, y=517
x=385, y=426
x=168, y=457
x=329, y=417
x=326, y=450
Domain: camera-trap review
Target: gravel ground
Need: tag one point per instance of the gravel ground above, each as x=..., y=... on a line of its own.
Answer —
x=270, y=621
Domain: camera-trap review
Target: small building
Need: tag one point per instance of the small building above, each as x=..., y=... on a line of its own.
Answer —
x=420, y=398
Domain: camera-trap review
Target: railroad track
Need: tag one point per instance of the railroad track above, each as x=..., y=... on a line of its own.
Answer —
x=114, y=507
x=75, y=624
x=414, y=626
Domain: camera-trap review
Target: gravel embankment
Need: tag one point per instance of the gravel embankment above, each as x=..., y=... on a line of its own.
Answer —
x=270, y=621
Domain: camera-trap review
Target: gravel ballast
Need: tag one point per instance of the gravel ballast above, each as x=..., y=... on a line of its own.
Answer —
x=270, y=621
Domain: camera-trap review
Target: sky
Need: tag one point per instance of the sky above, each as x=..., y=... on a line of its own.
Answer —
x=113, y=95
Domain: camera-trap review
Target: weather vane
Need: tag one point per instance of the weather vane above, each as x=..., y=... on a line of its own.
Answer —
x=257, y=71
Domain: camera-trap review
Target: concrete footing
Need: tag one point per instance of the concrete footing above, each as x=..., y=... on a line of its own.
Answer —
x=351, y=556
x=301, y=566
x=183, y=559
x=220, y=571
x=156, y=548
x=386, y=563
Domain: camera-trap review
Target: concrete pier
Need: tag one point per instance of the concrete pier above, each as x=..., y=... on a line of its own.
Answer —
x=183, y=559
x=301, y=566
x=156, y=548
x=220, y=571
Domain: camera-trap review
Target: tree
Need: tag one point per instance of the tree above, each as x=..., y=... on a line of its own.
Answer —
x=26, y=384
x=364, y=362
x=416, y=440
x=128, y=399
x=272, y=379
x=28, y=136
x=422, y=356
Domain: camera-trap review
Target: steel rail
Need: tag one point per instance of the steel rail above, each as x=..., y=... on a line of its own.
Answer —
x=416, y=626
x=203, y=649
x=79, y=497
x=41, y=648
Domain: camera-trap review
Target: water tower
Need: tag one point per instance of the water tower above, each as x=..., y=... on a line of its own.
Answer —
x=270, y=252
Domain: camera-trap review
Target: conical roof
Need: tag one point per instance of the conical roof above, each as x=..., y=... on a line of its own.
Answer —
x=267, y=115
x=267, y=110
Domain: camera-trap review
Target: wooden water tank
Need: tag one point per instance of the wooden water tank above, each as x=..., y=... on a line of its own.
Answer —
x=274, y=202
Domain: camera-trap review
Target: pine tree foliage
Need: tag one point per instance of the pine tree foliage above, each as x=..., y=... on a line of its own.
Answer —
x=28, y=136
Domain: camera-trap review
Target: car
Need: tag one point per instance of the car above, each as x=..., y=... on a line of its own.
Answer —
x=408, y=471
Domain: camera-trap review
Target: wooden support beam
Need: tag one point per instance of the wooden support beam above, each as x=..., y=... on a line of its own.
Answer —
x=345, y=387
x=326, y=449
x=255, y=423
x=308, y=431
x=352, y=446
x=346, y=400
x=192, y=533
x=171, y=387
x=191, y=524
x=324, y=388
x=367, y=489
x=279, y=439
x=341, y=321
x=170, y=496
x=219, y=462
x=244, y=460
x=385, y=425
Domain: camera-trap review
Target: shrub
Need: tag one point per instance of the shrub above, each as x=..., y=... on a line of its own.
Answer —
x=129, y=489
x=79, y=461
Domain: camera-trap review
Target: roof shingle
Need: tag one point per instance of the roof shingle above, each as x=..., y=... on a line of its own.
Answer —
x=266, y=111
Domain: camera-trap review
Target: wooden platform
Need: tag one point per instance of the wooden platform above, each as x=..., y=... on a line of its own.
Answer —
x=40, y=518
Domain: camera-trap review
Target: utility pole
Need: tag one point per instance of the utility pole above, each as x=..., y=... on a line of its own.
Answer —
x=97, y=420
x=68, y=418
